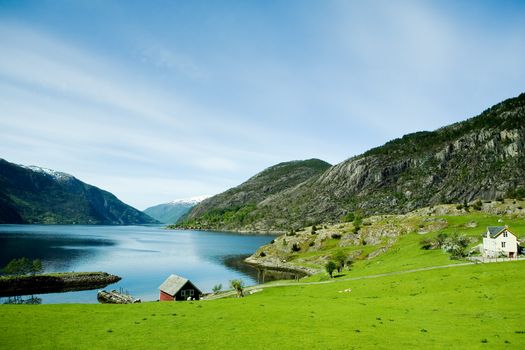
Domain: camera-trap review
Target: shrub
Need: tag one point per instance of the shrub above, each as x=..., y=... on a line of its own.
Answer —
x=311, y=244
x=336, y=236
x=295, y=247
x=340, y=259
x=348, y=217
x=262, y=254
x=238, y=286
x=330, y=267
x=477, y=205
x=216, y=288
x=426, y=243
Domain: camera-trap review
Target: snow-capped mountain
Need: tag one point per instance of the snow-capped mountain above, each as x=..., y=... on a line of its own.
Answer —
x=57, y=175
x=192, y=200
x=36, y=195
x=171, y=212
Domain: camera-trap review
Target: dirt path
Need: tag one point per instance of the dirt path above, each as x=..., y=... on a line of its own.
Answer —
x=336, y=280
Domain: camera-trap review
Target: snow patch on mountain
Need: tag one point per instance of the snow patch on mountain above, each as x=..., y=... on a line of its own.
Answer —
x=192, y=200
x=57, y=175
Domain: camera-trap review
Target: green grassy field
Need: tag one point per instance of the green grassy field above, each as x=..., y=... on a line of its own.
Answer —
x=459, y=307
x=467, y=307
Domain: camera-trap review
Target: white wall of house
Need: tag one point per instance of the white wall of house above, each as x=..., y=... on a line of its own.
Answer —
x=505, y=243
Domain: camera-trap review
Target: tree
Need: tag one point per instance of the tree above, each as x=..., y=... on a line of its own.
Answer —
x=340, y=259
x=18, y=267
x=358, y=220
x=217, y=288
x=330, y=267
x=23, y=266
x=36, y=267
x=457, y=245
x=238, y=286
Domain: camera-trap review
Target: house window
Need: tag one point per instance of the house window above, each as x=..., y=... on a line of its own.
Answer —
x=502, y=244
x=191, y=291
x=505, y=234
x=183, y=292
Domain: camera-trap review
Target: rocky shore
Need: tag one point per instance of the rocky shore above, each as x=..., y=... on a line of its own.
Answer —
x=274, y=263
x=54, y=283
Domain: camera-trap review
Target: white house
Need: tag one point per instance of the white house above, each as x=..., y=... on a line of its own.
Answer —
x=499, y=241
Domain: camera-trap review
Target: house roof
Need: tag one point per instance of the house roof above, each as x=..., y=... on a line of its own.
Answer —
x=495, y=231
x=174, y=283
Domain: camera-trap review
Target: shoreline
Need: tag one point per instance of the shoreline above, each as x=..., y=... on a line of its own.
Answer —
x=241, y=232
x=54, y=283
x=276, y=265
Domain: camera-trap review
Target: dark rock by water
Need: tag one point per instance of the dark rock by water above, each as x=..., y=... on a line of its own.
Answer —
x=54, y=283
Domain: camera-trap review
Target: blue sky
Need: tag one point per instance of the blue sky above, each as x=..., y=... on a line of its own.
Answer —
x=158, y=100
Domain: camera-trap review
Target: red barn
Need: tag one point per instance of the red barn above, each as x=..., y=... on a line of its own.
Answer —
x=178, y=288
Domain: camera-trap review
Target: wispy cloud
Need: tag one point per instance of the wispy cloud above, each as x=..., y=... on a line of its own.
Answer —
x=177, y=99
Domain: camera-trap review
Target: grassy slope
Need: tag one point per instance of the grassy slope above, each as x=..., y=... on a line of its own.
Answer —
x=456, y=307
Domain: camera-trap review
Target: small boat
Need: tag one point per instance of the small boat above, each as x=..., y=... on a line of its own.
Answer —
x=115, y=297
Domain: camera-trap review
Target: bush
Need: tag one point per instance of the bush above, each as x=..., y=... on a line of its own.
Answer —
x=330, y=267
x=216, y=288
x=477, y=205
x=262, y=254
x=311, y=244
x=340, y=259
x=336, y=236
x=426, y=243
x=349, y=217
x=295, y=247
x=238, y=286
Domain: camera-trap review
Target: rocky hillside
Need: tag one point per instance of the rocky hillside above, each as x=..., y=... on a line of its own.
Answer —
x=33, y=195
x=232, y=210
x=482, y=157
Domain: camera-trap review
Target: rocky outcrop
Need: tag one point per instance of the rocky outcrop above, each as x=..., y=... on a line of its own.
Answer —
x=54, y=283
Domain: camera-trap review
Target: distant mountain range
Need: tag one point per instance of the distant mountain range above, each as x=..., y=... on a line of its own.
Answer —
x=170, y=213
x=34, y=195
x=479, y=158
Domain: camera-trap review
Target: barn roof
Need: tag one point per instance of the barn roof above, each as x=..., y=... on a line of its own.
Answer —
x=173, y=284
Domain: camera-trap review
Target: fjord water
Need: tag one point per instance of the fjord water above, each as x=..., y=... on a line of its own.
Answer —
x=142, y=255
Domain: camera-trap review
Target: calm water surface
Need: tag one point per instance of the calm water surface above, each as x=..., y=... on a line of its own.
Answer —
x=142, y=255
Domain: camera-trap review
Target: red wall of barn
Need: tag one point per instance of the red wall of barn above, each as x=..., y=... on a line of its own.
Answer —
x=165, y=297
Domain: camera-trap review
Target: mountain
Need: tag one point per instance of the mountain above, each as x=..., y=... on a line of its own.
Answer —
x=34, y=195
x=479, y=158
x=170, y=213
x=231, y=209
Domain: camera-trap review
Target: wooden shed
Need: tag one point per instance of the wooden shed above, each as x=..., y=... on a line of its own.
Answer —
x=178, y=288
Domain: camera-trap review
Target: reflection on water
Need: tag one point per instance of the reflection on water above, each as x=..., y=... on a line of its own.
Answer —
x=142, y=255
x=29, y=300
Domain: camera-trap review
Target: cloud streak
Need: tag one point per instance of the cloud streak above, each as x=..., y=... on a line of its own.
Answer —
x=201, y=99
